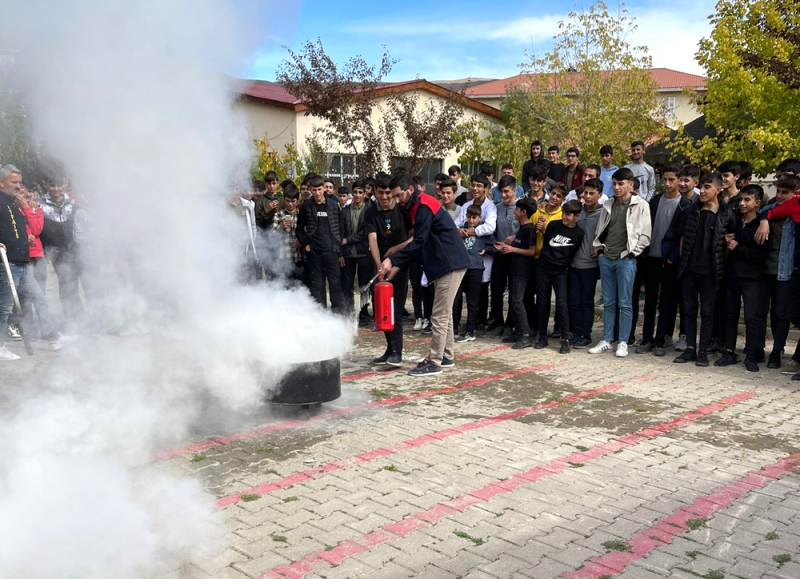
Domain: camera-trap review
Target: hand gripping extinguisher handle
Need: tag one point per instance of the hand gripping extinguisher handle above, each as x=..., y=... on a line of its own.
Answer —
x=384, y=306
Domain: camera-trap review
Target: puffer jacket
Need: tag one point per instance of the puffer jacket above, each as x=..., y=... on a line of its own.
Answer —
x=725, y=223
x=307, y=222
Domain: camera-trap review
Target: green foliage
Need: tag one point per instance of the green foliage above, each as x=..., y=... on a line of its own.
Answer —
x=250, y=498
x=751, y=58
x=697, y=523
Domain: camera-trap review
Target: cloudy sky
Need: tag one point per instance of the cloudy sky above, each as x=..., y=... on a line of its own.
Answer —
x=451, y=40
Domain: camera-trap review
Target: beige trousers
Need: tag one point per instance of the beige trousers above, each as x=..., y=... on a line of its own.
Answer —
x=442, y=315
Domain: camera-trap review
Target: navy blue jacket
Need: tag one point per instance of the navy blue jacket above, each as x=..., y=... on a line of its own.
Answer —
x=436, y=239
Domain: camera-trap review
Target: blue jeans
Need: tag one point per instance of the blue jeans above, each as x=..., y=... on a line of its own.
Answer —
x=28, y=290
x=616, y=279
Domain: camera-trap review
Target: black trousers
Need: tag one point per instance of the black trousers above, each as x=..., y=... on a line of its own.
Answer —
x=720, y=313
x=705, y=286
x=749, y=292
x=499, y=282
x=516, y=305
x=364, y=267
x=768, y=308
x=660, y=297
x=483, y=303
x=394, y=339
x=549, y=280
x=322, y=266
x=529, y=299
x=67, y=266
x=471, y=286
x=794, y=305
x=582, y=285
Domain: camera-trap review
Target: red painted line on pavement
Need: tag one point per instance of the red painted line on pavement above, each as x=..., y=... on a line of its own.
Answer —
x=365, y=457
x=441, y=510
x=666, y=528
x=286, y=424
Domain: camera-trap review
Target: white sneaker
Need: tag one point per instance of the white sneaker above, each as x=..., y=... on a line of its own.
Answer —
x=62, y=341
x=681, y=345
x=602, y=346
x=7, y=356
x=425, y=323
x=622, y=350
x=418, y=325
x=14, y=333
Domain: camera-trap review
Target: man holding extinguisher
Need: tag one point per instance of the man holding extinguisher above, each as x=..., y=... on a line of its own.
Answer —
x=387, y=229
x=444, y=258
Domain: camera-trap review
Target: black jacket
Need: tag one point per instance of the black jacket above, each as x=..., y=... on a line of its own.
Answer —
x=527, y=169
x=307, y=222
x=671, y=242
x=748, y=258
x=13, y=231
x=436, y=239
x=723, y=224
x=356, y=236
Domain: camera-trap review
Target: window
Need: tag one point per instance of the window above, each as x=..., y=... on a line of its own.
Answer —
x=670, y=102
x=342, y=170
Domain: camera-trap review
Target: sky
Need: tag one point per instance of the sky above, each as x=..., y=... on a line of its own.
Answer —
x=449, y=40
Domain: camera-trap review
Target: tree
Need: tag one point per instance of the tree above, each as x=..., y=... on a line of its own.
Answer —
x=592, y=89
x=343, y=96
x=752, y=61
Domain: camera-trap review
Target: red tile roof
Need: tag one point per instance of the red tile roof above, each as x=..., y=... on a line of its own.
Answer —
x=665, y=77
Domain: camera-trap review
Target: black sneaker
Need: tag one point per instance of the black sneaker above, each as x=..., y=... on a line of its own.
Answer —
x=751, y=365
x=688, y=355
x=447, y=364
x=774, y=361
x=406, y=313
x=425, y=368
x=644, y=348
x=714, y=347
x=760, y=357
x=510, y=338
x=427, y=330
x=727, y=359
x=466, y=337
x=498, y=331
x=564, y=349
x=395, y=359
x=523, y=342
x=796, y=376
x=702, y=359
x=554, y=334
x=659, y=351
x=540, y=343
x=582, y=343
x=382, y=359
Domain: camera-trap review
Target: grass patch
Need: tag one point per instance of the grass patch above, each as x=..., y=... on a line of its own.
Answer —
x=199, y=457
x=393, y=468
x=782, y=559
x=697, y=523
x=463, y=535
x=575, y=464
x=684, y=467
x=250, y=498
x=581, y=447
x=771, y=536
x=279, y=538
x=716, y=574
x=265, y=450
x=617, y=545
x=692, y=554
x=290, y=499
x=377, y=393
x=272, y=471
x=618, y=451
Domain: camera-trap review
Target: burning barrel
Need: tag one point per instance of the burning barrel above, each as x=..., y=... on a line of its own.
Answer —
x=309, y=383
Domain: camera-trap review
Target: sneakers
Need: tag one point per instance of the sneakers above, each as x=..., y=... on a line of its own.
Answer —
x=602, y=346
x=395, y=359
x=796, y=376
x=582, y=343
x=760, y=356
x=659, y=351
x=382, y=359
x=447, y=364
x=510, y=337
x=715, y=346
x=689, y=355
x=727, y=359
x=622, y=350
x=774, y=360
x=418, y=325
x=540, y=343
x=61, y=341
x=425, y=368
x=792, y=368
x=667, y=341
x=644, y=348
x=6, y=355
x=564, y=349
x=498, y=331
x=523, y=342
x=554, y=334
x=427, y=328
x=680, y=346
x=751, y=364
x=466, y=337
x=13, y=333
x=426, y=323
x=702, y=359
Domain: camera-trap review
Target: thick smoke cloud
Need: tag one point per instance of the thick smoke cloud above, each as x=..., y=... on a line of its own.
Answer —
x=132, y=98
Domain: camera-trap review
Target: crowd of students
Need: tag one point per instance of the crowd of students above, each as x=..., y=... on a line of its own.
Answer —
x=704, y=245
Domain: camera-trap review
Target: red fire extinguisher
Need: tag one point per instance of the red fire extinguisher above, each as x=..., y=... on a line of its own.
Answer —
x=384, y=306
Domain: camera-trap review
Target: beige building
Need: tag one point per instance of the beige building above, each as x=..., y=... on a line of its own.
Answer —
x=672, y=89
x=270, y=110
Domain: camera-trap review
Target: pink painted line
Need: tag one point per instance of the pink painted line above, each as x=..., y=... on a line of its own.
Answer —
x=419, y=441
x=663, y=531
x=444, y=509
x=286, y=424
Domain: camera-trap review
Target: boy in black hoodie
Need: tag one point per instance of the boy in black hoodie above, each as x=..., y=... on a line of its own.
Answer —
x=744, y=272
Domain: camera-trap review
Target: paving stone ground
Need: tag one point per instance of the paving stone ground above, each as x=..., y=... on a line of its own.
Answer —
x=515, y=464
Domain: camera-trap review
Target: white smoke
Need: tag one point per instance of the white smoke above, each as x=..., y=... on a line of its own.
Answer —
x=133, y=99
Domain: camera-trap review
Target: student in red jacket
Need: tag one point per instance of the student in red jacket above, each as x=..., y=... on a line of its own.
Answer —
x=572, y=176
